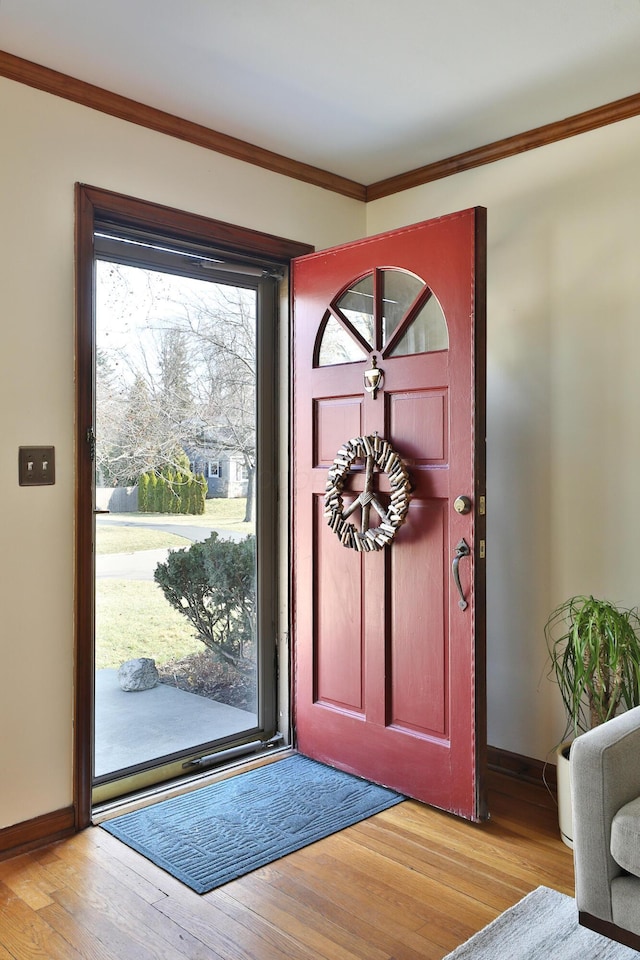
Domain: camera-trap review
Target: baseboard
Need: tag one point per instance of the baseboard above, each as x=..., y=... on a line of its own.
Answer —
x=522, y=768
x=37, y=832
x=40, y=831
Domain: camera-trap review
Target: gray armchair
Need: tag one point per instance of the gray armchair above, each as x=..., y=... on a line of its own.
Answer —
x=605, y=776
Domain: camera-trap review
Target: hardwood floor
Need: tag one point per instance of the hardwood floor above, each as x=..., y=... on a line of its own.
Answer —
x=408, y=884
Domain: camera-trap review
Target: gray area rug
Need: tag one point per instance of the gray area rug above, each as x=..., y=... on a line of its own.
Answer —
x=542, y=926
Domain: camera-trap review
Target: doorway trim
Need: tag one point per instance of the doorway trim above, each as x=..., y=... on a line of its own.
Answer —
x=93, y=204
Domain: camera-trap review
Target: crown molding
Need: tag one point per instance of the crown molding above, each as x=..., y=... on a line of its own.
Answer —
x=500, y=149
x=61, y=85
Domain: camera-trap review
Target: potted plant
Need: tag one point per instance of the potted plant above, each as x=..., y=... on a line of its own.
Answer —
x=594, y=653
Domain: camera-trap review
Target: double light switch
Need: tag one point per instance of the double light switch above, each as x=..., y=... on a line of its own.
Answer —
x=36, y=466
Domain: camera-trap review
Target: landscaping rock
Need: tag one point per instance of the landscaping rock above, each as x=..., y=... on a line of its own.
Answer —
x=138, y=674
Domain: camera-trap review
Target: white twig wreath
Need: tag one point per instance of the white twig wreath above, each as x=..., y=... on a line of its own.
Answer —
x=376, y=452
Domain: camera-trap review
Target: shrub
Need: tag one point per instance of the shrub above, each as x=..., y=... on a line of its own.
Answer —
x=181, y=503
x=143, y=493
x=200, y=496
x=152, y=494
x=192, y=496
x=213, y=584
x=165, y=484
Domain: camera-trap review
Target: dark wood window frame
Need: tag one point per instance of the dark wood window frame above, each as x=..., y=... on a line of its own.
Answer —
x=94, y=205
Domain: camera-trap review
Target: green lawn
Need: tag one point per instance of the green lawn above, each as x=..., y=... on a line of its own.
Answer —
x=117, y=538
x=221, y=508
x=133, y=619
x=220, y=513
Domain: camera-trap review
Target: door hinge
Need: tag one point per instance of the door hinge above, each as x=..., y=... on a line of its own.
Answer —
x=482, y=506
x=482, y=549
x=91, y=440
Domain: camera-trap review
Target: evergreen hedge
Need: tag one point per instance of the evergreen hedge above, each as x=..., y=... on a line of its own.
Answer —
x=169, y=492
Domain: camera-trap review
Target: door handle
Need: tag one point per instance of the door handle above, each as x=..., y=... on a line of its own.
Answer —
x=462, y=550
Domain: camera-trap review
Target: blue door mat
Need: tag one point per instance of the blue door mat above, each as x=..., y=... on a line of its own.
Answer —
x=222, y=831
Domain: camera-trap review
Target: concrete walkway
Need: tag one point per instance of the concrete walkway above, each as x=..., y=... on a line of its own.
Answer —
x=133, y=728
x=129, y=566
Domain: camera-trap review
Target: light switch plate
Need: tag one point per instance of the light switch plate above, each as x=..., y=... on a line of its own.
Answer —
x=36, y=466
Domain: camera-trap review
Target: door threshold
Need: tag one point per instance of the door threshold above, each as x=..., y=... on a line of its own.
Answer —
x=147, y=797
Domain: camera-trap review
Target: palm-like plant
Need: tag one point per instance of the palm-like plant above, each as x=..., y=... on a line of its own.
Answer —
x=594, y=651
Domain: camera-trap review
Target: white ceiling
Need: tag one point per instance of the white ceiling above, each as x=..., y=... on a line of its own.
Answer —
x=363, y=88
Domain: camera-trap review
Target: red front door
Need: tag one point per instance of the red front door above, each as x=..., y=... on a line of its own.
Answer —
x=389, y=640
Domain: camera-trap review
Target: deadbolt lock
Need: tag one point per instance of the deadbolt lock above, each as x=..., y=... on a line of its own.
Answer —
x=462, y=505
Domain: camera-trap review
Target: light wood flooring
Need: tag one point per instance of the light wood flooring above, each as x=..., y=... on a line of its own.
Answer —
x=408, y=884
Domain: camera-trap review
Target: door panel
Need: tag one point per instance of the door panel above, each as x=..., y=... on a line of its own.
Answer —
x=421, y=419
x=389, y=668
x=334, y=420
x=338, y=642
x=418, y=654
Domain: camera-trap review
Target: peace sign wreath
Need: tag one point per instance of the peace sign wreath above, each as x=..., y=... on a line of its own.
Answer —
x=377, y=453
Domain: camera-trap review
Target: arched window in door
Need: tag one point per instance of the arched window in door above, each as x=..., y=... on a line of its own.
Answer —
x=391, y=311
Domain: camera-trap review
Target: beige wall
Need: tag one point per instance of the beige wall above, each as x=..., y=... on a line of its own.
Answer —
x=47, y=145
x=563, y=397
x=563, y=389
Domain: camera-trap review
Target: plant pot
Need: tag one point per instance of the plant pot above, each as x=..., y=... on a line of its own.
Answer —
x=563, y=774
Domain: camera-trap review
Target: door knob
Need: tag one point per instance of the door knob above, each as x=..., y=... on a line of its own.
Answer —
x=462, y=505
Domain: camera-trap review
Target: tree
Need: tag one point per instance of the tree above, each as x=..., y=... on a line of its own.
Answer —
x=137, y=429
x=212, y=583
x=125, y=432
x=179, y=371
x=226, y=332
x=175, y=392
